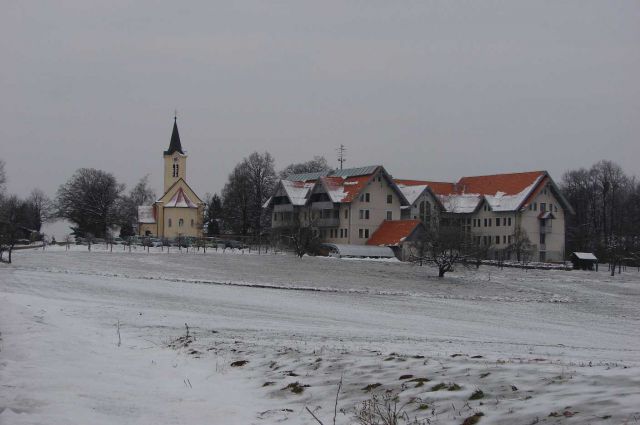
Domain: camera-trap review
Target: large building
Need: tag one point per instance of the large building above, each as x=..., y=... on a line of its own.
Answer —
x=343, y=206
x=351, y=206
x=179, y=211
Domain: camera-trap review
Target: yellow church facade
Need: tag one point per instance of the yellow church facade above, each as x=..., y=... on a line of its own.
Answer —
x=179, y=211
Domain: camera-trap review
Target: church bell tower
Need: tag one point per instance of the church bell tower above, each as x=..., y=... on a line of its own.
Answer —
x=175, y=159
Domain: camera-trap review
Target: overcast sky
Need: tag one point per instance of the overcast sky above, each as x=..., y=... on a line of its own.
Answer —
x=431, y=90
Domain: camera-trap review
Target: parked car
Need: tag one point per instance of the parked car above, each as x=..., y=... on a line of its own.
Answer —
x=235, y=244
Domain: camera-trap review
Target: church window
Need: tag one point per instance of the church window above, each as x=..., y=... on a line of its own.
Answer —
x=191, y=222
x=180, y=222
x=169, y=223
x=177, y=169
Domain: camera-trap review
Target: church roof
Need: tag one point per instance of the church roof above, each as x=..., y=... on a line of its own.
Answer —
x=174, y=144
x=180, y=200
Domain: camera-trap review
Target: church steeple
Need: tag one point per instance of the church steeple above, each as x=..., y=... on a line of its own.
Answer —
x=174, y=144
x=175, y=159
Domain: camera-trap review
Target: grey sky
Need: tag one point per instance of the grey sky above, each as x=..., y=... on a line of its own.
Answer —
x=431, y=90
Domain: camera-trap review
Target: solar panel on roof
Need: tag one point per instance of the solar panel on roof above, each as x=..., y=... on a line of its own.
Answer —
x=359, y=171
x=308, y=176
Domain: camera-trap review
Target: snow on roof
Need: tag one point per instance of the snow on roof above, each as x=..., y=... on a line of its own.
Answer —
x=393, y=232
x=297, y=191
x=438, y=188
x=585, y=256
x=334, y=187
x=180, y=200
x=412, y=193
x=145, y=214
x=503, y=202
x=363, y=251
x=461, y=204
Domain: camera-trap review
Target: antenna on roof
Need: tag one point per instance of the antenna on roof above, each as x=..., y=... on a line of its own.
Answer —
x=342, y=154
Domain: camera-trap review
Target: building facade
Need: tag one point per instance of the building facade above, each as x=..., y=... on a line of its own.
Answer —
x=179, y=211
x=350, y=206
x=497, y=209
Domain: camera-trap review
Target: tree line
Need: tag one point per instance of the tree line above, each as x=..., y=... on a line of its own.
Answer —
x=96, y=203
x=606, y=201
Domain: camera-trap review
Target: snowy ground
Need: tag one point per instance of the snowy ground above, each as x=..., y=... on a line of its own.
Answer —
x=543, y=346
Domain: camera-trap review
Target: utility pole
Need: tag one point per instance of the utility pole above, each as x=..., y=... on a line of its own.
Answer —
x=342, y=154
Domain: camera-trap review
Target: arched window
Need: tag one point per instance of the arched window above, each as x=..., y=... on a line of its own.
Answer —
x=177, y=170
x=191, y=222
x=169, y=223
x=180, y=223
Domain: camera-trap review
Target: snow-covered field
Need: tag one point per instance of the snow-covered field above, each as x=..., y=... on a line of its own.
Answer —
x=542, y=346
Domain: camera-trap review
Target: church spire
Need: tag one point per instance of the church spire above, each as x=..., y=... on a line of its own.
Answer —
x=174, y=145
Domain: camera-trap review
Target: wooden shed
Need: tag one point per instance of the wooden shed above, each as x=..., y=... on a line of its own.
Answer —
x=584, y=261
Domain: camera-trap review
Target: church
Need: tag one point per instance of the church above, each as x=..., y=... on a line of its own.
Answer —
x=179, y=211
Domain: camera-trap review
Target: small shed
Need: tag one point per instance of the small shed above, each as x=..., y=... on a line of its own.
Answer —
x=584, y=261
x=399, y=235
x=355, y=251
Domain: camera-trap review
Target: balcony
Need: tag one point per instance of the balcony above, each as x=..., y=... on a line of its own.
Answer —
x=322, y=205
x=326, y=222
x=283, y=208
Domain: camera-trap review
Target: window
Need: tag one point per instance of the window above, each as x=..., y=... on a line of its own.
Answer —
x=485, y=222
x=362, y=197
x=346, y=233
x=341, y=232
x=389, y=199
x=275, y=216
x=504, y=239
x=346, y=213
x=169, y=223
x=543, y=207
x=510, y=236
x=509, y=221
x=389, y=215
x=543, y=238
x=180, y=222
x=191, y=222
x=489, y=222
x=535, y=206
x=497, y=240
x=360, y=233
x=367, y=197
x=366, y=233
x=498, y=222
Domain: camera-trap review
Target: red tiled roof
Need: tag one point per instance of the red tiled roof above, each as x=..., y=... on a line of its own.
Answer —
x=353, y=185
x=510, y=184
x=392, y=232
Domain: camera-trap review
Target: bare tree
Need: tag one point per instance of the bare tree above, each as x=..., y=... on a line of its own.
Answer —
x=3, y=178
x=262, y=180
x=521, y=245
x=318, y=163
x=127, y=205
x=41, y=207
x=13, y=217
x=88, y=199
x=300, y=236
x=236, y=200
x=444, y=247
